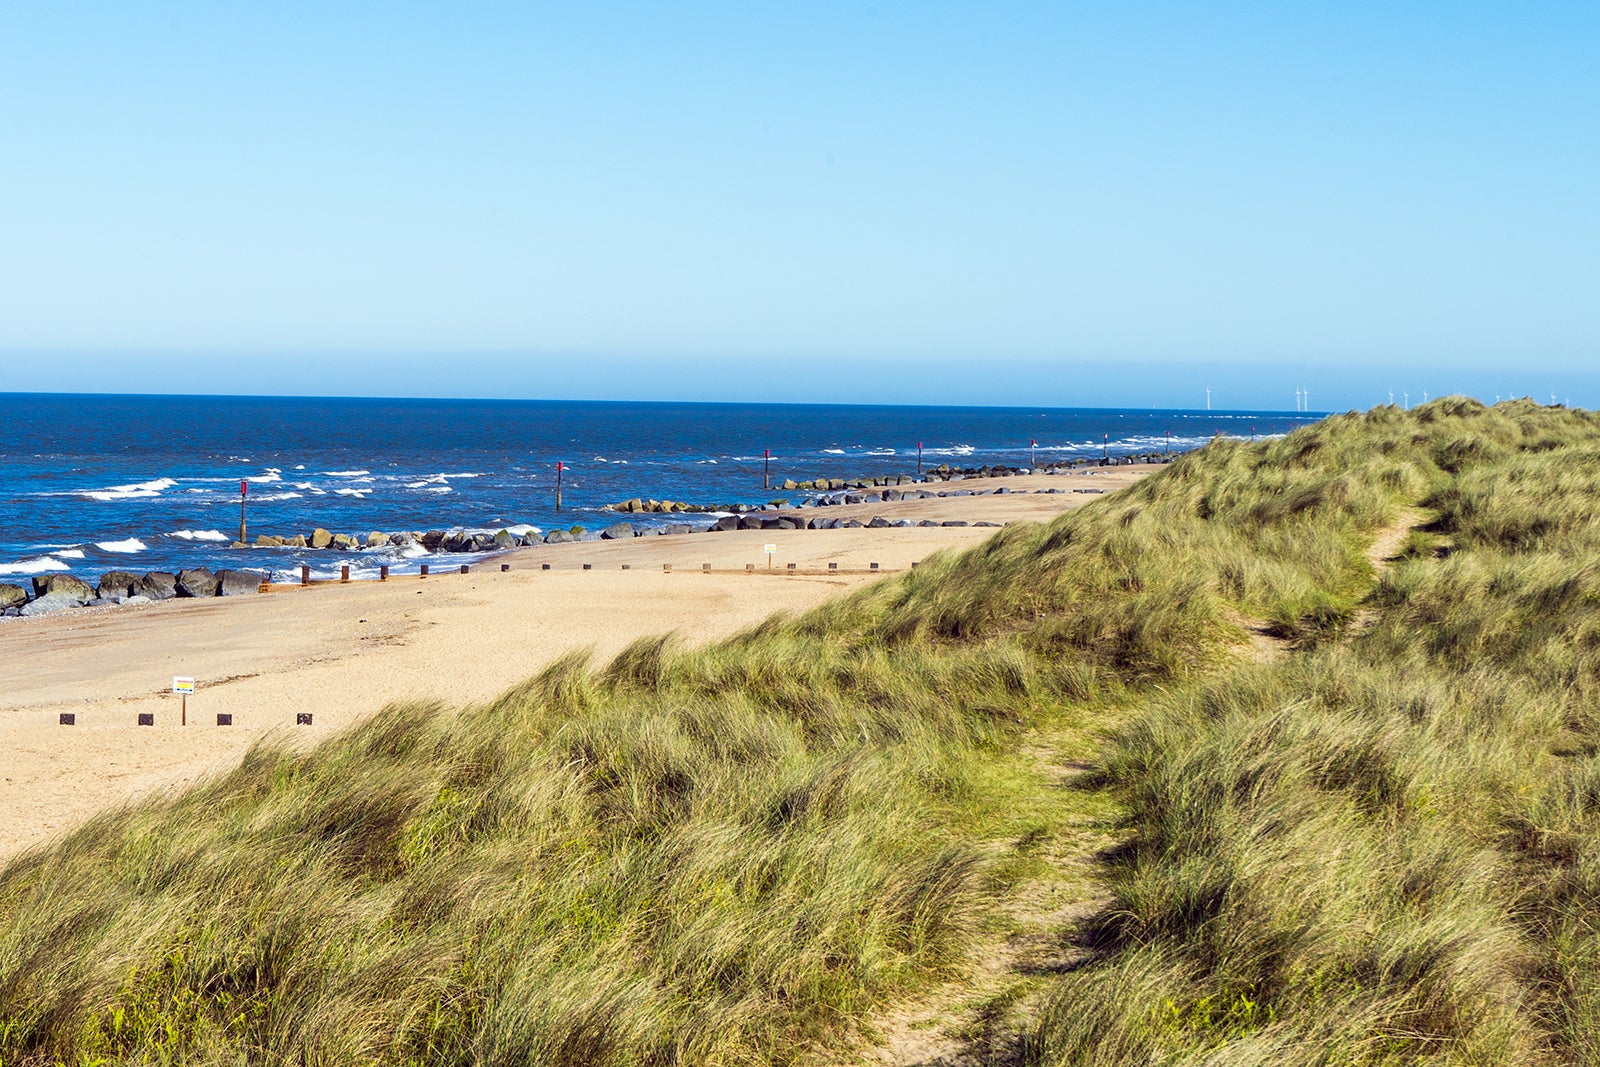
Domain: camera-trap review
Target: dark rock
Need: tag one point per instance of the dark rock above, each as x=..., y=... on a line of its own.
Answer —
x=902, y=522
x=12, y=596
x=878, y=523
x=432, y=540
x=116, y=583
x=157, y=585
x=557, y=537
x=506, y=539
x=986, y=523
x=197, y=582
x=749, y=522
x=588, y=535
x=673, y=529
x=727, y=522
x=854, y=498
x=927, y=522
x=849, y=524
x=51, y=603
x=954, y=522
x=343, y=543
x=622, y=531
x=63, y=585
x=237, y=583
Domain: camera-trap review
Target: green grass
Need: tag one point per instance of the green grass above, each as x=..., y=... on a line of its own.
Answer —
x=1380, y=847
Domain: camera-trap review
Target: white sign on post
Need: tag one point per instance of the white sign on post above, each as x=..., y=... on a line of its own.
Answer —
x=769, y=549
x=182, y=685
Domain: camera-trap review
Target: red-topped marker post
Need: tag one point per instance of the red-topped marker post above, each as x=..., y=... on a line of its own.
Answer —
x=244, y=490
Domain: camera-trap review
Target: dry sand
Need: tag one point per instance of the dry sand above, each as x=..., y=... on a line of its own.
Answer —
x=342, y=652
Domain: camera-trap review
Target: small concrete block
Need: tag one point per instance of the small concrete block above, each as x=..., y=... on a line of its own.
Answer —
x=302, y=718
x=464, y=568
x=544, y=566
x=626, y=567
x=424, y=572
x=705, y=567
x=147, y=718
x=791, y=566
x=69, y=718
x=224, y=718
x=588, y=566
x=874, y=566
x=504, y=567
x=833, y=566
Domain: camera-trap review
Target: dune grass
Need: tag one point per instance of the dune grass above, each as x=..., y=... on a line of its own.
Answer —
x=1380, y=847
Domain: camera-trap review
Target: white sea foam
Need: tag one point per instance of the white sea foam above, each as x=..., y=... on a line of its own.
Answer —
x=134, y=491
x=469, y=474
x=345, y=474
x=199, y=535
x=34, y=566
x=358, y=493
x=834, y=451
x=69, y=553
x=132, y=544
x=430, y=489
x=280, y=496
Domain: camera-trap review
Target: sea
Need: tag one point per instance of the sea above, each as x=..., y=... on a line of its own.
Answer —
x=91, y=483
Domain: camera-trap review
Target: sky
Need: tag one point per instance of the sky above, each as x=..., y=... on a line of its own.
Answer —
x=1009, y=203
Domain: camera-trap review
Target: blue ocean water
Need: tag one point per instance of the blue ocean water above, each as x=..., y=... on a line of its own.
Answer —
x=91, y=483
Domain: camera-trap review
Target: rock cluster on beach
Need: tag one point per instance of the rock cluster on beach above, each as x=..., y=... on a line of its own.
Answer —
x=62, y=592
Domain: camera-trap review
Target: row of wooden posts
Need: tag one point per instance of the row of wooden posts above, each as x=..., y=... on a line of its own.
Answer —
x=383, y=571
x=148, y=718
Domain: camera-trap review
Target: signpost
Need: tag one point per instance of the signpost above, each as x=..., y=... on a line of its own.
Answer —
x=769, y=549
x=183, y=687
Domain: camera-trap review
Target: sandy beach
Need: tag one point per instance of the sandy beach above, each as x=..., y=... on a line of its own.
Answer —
x=342, y=652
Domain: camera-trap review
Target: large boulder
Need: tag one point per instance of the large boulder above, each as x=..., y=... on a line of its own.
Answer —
x=269, y=541
x=343, y=543
x=557, y=537
x=157, y=585
x=297, y=541
x=63, y=585
x=197, y=582
x=12, y=596
x=237, y=583
x=622, y=531
x=878, y=523
x=116, y=583
x=320, y=538
x=51, y=603
x=749, y=522
x=674, y=528
x=727, y=522
x=506, y=539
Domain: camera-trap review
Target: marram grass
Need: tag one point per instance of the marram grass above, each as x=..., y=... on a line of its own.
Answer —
x=1378, y=847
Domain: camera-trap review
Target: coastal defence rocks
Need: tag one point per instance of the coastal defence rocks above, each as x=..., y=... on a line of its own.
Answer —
x=197, y=582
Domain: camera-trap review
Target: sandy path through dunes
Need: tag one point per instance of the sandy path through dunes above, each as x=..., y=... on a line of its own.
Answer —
x=342, y=652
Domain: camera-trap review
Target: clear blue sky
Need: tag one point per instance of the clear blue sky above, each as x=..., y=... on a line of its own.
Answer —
x=1007, y=203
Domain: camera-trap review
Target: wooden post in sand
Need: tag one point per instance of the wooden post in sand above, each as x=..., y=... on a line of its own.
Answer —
x=305, y=574
x=560, y=466
x=766, y=468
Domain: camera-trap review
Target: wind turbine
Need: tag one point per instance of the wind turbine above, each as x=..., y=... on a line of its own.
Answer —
x=1406, y=399
x=1208, y=399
